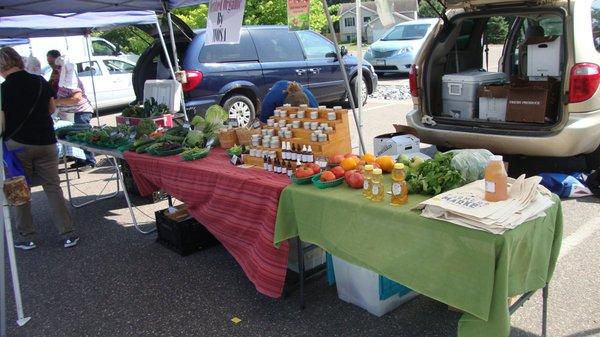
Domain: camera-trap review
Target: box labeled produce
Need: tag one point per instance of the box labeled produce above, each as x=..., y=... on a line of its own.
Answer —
x=527, y=105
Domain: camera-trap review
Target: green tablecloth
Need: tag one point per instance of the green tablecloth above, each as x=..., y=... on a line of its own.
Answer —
x=469, y=269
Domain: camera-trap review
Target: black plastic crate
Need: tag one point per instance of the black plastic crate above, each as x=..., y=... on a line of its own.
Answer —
x=184, y=237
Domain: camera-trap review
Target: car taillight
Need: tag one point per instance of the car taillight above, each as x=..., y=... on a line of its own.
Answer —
x=584, y=81
x=194, y=78
x=412, y=81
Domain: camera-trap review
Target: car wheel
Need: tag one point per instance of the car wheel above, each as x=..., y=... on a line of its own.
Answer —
x=364, y=88
x=241, y=108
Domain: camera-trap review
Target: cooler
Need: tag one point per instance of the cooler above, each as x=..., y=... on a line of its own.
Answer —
x=395, y=144
x=367, y=289
x=459, y=91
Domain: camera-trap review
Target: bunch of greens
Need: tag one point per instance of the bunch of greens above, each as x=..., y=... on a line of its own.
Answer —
x=211, y=123
x=151, y=108
x=434, y=176
x=145, y=127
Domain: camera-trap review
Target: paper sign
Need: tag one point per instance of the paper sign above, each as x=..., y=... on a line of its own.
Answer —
x=224, y=21
x=235, y=159
x=298, y=14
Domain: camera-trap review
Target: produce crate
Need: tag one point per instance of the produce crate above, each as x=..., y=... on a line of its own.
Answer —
x=182, y=233
x=164, y=121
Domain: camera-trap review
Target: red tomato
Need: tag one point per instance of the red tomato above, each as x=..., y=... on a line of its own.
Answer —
x=338, y=171
x=327, y=176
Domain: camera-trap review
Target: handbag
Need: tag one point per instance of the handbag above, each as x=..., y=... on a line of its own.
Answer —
x=15, y=185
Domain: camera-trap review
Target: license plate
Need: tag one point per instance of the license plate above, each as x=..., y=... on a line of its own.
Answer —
x=379, y=62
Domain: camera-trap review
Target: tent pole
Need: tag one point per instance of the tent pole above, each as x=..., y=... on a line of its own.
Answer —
x=345, y=75
x=2, y=282
x=10, y=247
x=164, y=46
x=92, y=71
x=176, y=59
x=359, y=56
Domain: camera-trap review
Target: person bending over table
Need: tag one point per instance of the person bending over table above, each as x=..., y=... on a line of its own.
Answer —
x=28, y=103
x=277, y=96
x=71, y=98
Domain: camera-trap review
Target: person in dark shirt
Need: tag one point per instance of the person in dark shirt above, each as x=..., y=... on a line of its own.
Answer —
x=27, y=103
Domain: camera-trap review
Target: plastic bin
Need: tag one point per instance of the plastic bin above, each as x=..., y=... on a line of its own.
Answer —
x=459, y=91
x=314, y=256
x=182, y=233
x=367, y=289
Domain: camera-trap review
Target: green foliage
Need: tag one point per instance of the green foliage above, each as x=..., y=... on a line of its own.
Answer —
x=496, y=30
x=130, y=39
x=425, y=10
x=145, y=127
x=195, y=17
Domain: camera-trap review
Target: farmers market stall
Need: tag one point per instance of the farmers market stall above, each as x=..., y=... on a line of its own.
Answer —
x=472, y=270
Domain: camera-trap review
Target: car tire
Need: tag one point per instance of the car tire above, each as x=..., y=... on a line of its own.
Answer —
x=365, y=91
x=241, y=108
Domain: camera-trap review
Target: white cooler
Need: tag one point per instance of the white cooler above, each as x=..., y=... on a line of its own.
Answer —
x=360, y=287
x=459, y=92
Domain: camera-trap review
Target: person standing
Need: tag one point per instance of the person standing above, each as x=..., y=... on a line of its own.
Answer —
x=71, y=98
x=27, y=104
x=51, y=57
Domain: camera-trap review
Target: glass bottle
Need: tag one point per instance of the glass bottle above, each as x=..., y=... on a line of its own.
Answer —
x=367, y=181
x=283, y=167
x=283, y=150
x=293, y=153
x=399, y=187
x=269, y=165
x=265, y=163
x=377, y=186
x=310, y=158
x=290, y=172
x=304, y=154
x=496, y=180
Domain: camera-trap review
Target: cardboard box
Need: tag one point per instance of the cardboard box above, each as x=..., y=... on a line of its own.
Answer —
x=543, y=56
x=527, y=105
x=533, y=101
x=493, y=100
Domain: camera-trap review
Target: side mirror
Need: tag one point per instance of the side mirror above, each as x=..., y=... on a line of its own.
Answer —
x=331, y=54
x=343, y=51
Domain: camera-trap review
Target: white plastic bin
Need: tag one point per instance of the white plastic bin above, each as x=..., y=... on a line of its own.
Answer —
x=360, y=287
x=164, y=92
x=459, y=91
x=543, y=58
x=493, y=108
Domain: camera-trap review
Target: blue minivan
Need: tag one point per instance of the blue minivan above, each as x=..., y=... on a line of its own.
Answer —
x=237, y=76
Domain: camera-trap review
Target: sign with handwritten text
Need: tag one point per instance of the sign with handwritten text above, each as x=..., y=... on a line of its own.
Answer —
x=298, y=14
x=224, y=21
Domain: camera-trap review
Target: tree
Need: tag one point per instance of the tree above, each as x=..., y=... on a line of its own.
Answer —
x=195, y=17
x=496, y=30
x=130, y=39
x=425, y=10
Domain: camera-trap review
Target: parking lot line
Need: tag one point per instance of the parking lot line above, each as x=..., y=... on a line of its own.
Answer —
x=582, y=233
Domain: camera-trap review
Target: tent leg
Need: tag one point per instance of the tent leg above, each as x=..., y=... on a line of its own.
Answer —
x=176, y=59
x=2, y=285
x=164, y=46
x=21, y=319
x=87, y=43
x=345, y=75
x=359, y=74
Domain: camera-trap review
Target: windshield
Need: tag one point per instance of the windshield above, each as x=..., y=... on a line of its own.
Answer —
x=407, y=32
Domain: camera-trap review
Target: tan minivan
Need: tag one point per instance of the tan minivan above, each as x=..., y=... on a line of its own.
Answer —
x=458, y=44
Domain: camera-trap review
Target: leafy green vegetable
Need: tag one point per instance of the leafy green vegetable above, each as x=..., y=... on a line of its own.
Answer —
x=194, y=138
x=434, y=176
x=195, y=153
x=145, y=127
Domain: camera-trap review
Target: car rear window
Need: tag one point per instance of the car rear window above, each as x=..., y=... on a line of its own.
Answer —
x=596, y=23
x=221, y=53
x=277, y=45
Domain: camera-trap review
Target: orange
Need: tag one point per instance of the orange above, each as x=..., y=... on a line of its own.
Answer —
x=369, y=158
x=386, y=163
x=349, y=164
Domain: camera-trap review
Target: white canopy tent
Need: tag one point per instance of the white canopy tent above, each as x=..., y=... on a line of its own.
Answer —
x=47, y=22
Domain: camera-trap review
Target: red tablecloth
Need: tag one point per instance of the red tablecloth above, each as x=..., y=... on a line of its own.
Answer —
x=238, y=206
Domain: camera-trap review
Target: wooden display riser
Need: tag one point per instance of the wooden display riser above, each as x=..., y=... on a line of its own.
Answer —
x=258, y=162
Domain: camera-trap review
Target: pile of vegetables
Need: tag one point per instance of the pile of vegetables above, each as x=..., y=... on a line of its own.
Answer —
x=151, y=108
x=237, y=150
x=432, y=176
x=191, y=143
x=103, y=137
